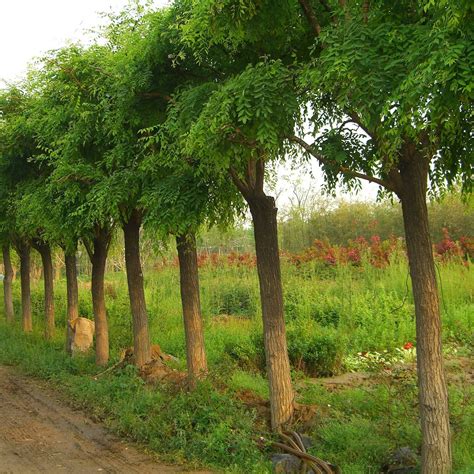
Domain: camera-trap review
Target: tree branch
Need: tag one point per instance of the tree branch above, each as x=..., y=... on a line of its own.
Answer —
x=341, y=169
x=156, y=94
x=88, y=247
x=326, y=6
x=311, y=17
x=238, y=137
x=241, y=186
x=357, y=120
x=365, y=10
x=395, y=181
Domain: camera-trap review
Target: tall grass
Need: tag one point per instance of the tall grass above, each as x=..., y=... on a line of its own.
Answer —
x=332, y=312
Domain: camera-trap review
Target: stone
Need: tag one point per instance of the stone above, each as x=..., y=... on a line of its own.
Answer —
x=82, y=335
x=286, y=464
x=307, y=441
x=402, y=461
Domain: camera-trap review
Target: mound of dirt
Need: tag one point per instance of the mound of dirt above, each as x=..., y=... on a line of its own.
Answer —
x=157, y=371
x=303, y=414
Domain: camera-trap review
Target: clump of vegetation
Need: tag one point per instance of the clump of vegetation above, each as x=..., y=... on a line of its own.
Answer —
x=233, y=300
x=315, y=352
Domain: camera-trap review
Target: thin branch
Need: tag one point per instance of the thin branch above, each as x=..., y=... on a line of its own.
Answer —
x=241, y=186
x=343, y=124
x=311, y=17
x=341, y=169
x=357, y=120
x=156, y=94
x=326, y=6
x=71, y=73
x=365, y=10
x=89, y=248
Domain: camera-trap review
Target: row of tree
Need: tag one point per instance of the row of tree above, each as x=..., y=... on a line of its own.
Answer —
x=174, y=119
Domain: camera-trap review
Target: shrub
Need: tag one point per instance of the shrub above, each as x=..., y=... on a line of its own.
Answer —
x=325, y=316
x=247, y=353
x=316, y=353
x=291, y=305
x=235, y=300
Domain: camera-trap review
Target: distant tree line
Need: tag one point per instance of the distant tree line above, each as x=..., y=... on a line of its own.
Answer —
x=344, y=221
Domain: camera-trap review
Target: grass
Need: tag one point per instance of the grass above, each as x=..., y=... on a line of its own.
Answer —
x=332, y=314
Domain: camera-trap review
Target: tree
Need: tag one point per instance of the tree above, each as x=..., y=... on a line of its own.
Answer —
x=7, y=284
x=391, y=91
x=74, y=144
x=238, y=135
x=34, y=221
x=5, y=233
x=173, y=200
x=241, y=111
x=180, y=204
x=17, y=145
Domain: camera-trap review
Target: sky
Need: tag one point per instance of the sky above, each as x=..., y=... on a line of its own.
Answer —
x=29, y=28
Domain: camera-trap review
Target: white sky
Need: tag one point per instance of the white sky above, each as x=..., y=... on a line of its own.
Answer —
x=28, y=28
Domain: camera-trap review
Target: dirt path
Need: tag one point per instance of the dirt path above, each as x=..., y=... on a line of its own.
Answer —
x=40, y=434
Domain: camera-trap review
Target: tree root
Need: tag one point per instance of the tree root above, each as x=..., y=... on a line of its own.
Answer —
x=293, y=444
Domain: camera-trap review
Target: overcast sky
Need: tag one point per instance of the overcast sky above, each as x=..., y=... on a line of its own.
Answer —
x=29, y=28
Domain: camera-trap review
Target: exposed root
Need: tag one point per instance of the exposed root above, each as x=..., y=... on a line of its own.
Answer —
x=293, y=444
x=157, y=361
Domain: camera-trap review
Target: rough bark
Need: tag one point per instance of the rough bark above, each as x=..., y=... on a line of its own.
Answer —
x=141, y=336
x=72, y=295
x=433, y=396
x=7, y=285
x=191, y=303
x=98, y=257
x=26, y=318
x=48, y=277
x=264, y=215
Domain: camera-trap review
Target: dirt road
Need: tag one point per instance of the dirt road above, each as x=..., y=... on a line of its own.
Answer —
x=40, y=434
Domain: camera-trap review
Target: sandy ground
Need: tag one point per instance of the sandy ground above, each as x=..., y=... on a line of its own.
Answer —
x=40, y=434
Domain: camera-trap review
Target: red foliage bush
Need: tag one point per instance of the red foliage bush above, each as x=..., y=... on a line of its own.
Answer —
x=378, y=253
x=448, y=249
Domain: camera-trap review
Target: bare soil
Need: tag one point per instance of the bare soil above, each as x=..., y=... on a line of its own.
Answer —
x=39, y=433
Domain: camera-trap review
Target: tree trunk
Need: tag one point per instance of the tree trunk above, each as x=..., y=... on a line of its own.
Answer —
x=48, y=276
x=191, y=303
x=433, y=396
x=72, y=295
x=98, y=259
x=264, y=215
x=24, y=253
x=7, y=285
x=141, y=336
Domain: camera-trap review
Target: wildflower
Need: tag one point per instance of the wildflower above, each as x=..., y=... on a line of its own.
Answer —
x=407, y=346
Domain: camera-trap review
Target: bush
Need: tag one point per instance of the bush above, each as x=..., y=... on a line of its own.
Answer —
x=309, y=350
x=248, y=353
x=315, y=353
x=236, y=300
x=325, y=317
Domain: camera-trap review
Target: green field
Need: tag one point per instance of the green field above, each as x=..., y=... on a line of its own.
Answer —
x=340, y=319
